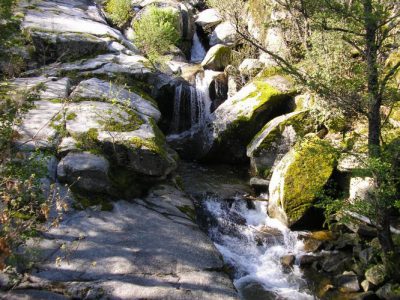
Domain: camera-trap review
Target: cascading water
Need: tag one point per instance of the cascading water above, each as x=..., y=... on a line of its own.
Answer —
x=253, y=251
x=192, y=104
x=198, y=52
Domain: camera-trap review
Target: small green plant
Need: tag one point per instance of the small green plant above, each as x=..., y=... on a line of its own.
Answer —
x=119, y=11
x=156, y=31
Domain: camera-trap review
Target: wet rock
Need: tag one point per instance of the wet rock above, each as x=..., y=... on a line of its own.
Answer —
x=308, y=259
x=269, y=235
x=297, y=179
x=311, y=245
x=390, y=291
x=376, y=274
x=217, y=58
x=348, y=282
x=255, y=291
x=260, y=185
x=287, y=261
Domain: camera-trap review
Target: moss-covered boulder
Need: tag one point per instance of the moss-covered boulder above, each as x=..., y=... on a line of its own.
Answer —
x=276, y=139
x=235, y=122
x=298, y=178
x=217, y=58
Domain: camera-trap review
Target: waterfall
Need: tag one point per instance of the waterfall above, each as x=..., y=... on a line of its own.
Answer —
x=254, y=247
x=198, y=52
x=192, y=104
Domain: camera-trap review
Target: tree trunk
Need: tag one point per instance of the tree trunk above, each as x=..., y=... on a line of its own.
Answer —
x=374, y=124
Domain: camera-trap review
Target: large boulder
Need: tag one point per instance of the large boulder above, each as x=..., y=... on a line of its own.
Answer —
x=224, y=33
x=57, y=35
x=208, y=19
x=235, y=122
x=217, y=58
x=250, y=67
x=47, y=88
x=298, y=178
x=100, y=90
x=276, y=139
x=85, y=171
x=132, y=141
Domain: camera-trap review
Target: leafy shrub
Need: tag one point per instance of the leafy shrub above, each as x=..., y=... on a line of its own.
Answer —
x=156, y=31
x=119, y=11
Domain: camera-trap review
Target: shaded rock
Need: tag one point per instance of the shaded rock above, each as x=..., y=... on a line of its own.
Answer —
x=255, y=291
x=390, y=291
x=275, y=139
x=348, y=282
x=217, y=58
x=86, y=171
x=6, y=281
x=259, y=185
x=308, y=259
x=376, y=274
x=96, y=89
x=208, y=19
x=336, y=263
x=235, y=122
x=31, y=294
x=297, y=179
x=38, y=126
x=366, y=255
x=224, y=33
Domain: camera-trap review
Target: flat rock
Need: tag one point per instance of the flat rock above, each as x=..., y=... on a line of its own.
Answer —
x=100, y=90
x=37, y=129
x=52, y=88
x=66, y=29
x=145, y=249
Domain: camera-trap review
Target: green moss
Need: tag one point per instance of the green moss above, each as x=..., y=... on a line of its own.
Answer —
x=88, y=141
x=86, y=201
x=311, y=165
x=189, y=211
x=121, y=122
x=71, y=116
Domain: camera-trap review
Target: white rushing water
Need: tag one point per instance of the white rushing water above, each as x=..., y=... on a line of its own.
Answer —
x=254, y=261
x=192, y=104
x=198, y=52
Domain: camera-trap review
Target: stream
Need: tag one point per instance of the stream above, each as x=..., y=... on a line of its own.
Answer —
x=251, y=243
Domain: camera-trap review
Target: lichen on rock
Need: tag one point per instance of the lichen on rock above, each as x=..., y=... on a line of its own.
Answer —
x=299, y=177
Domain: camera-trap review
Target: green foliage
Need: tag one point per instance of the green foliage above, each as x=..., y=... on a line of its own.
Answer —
x=119, y=11
x=156, y=31
x=11, y=63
